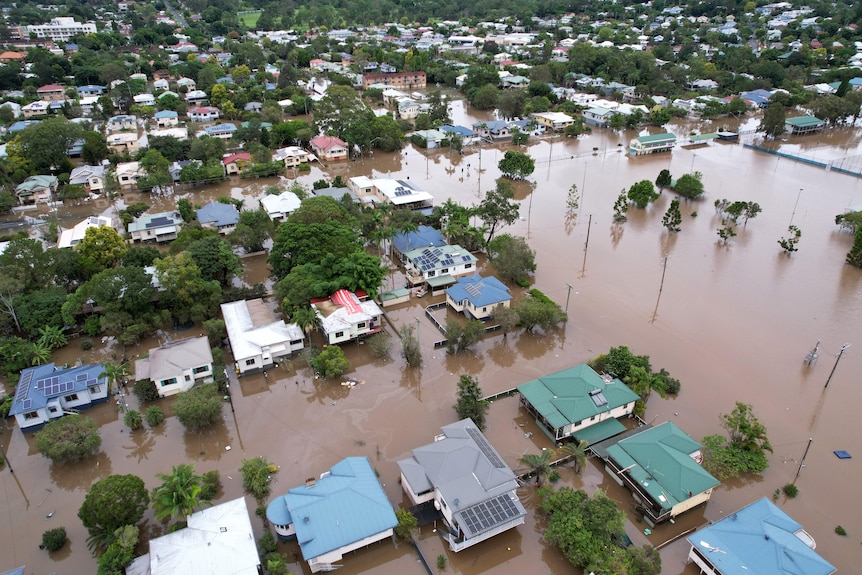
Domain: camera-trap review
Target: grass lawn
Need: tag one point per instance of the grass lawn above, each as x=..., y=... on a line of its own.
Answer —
x=249, y=20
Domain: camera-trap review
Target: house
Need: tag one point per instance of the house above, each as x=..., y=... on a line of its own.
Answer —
x=500, y=129
x=203, y=114
x=91, y=177
x=292, y=156
x=555, y=121
x=402, y=194
x=161, y=227
x=8, y=57
x=460, y=131
x=329, y=148
x=759, y=97
x=187, y=83
x=337, y=194
x=70, y=238
x=257, y=339
x=801, y=125
x=220, y=131
x=180, y=133
x=144, y=99
x=430, y=138
x=467, y=481
x=438, y=266
x=344, y=317
x=408, y=109
x=195, y=97
x=51, y=93
x=218, y=540
x=423, y=237
x=14, y=106
x=128, y=174
x=36, y=189
x=234, y=163
x=401, y=80
x=47, y=392
x=37, y=108
x=578, y=402
x=661, y=467
x=253, y=107
x=514, y=81
x=279, y=207
x=123, y=142
x=122, y=122
x=477, y=297
x=90, y=90
x=703, y=85
x=759, y=538
x=218, y=216
x=161, y=84
x=344, y=510
x=166, y=119
x=599, y=117
x=651, y=144
x=177, y=366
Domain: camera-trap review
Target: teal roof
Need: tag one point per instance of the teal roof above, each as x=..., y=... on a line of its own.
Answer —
x=666, y=137
x=759, y=538
x=564, y=397
x=804, y=121
x=342, y=507
x=659, y=460
x=600, y=431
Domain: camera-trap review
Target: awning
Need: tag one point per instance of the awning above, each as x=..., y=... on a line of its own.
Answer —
x=442, y=281
x=167, y=230
x=600, y=431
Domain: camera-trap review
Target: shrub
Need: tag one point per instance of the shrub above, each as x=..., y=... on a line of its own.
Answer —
x=255, y=477
x=69, y=439
x=554, y=476
x=145, y=390
x=92, y=326
x=154, y=416
x=54, y=539
x=210, y=484
x=331, y=362
x=407, y=523
x=840, y=531
x=275, y=563
x=133, y=419
x=86, y=344
x=198, y=407
x=267, y=542
x=441, y=561
x=380, y=346
x=790, y=490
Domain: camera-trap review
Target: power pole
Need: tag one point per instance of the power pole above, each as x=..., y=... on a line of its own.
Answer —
x=834, y=367
x=804, y=455
x=567, y=297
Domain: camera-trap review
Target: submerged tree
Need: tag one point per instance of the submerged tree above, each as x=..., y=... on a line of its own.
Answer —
x=788, y=244
x=642, y=193
x=469, y=401
x=743, y=451
x=621, y=206
x=664, y=179
x=854, y=256
x=672, y=217
x=410, y=348
x=539, y=464
x=179, y=495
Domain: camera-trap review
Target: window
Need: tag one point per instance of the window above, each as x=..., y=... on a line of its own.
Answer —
x=249, y=361
x=431, y=274
x=339, y=334
x=31, y=415
x=295, y=342
x=444, y=271
x=52, y=409
x=198, y=370
x=468, y=266
x=188, y=378
x=96, y=389
x=167, y=382
x=72, y=397
x=360, y=324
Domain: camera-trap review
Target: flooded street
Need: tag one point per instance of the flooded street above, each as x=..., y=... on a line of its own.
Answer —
x=732, y=322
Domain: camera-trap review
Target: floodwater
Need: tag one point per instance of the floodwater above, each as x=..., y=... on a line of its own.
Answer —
x=732, y=321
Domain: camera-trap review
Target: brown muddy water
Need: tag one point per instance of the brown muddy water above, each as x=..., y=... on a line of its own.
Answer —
x=732, y=321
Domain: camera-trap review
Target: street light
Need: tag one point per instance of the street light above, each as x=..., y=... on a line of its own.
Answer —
x=834, y=367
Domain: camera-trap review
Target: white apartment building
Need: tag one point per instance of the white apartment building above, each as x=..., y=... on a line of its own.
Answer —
x=61, y=29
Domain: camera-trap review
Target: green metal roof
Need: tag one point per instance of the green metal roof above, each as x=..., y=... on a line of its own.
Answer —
x=659, y=460
x=804, y=121
x=564, y=397
x=444, y=280
x=600, y=431
x=666, y=137
x=704, y=137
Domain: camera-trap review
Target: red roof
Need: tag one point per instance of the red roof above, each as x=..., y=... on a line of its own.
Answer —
x=234, y=157
x=203, y=110
x=50, y=88
x=327, y=142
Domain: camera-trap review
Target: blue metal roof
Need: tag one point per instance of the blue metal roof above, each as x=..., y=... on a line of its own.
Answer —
x=760, y=538
x=220, y=129
x=479, y=291
x=424, y=237
x=37, y=385
x=219, y=214
x=458, y=130
x=165, y=114
x=343, y=507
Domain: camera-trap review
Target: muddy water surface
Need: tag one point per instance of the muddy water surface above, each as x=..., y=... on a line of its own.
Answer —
x=732, y=321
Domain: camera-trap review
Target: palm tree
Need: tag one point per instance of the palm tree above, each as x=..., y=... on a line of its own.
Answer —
x=179, y=493
x=306, y=319
x=578, y=453
x=39, y=353
x=540, y=465
x=116, y=374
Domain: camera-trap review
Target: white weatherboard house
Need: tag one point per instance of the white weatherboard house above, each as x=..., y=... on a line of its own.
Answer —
x=402, y=194
x=177, y=365
x=257, y=339
x=69, y=238
x=161, y=227
x=46, y=392
x=279, y=207
x=469, y=483
x=345, y=510
x=343, y=316
x=218, y=540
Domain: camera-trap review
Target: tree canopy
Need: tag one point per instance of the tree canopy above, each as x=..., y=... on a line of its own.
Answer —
x=112, y=503
x=516, y=165
x=498, y=209
x=469, y=401
x=69, y=439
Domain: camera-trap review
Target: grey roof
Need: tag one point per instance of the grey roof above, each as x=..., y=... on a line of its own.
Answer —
x=173, y=358
x=467, y=471
x=218, y=214
x=337, y=193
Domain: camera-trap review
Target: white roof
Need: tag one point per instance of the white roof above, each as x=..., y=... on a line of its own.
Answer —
x=342, y=319
x=400, y=192
x=554, y=116
x=283, y=203
x=246, y=338
x=218, y=541
x=69, y=238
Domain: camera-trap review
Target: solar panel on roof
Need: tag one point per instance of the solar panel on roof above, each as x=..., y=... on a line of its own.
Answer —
x=81, y=377
x=159, y=221
x=485, y=447
x=27, y=403
x=467, y=258
x=92, y=382
x=598, y=397
x=488, y=514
